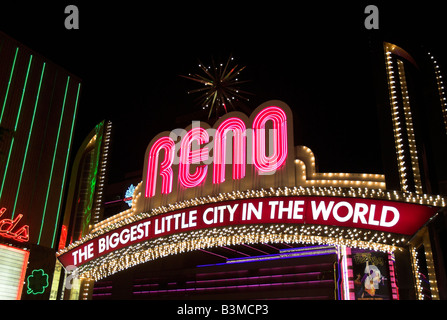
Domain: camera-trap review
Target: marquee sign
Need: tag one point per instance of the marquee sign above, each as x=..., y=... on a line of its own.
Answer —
x=238, y=153
x=380, y=215
x=237, y=149
x=265, y=164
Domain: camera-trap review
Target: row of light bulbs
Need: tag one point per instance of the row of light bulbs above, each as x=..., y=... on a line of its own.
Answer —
x=409, y=126
x=234, y=235
x=398, y=135
x=441, y=89
x=416, y=272
x=102, y=173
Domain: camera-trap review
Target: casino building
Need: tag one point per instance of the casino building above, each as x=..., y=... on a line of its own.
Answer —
x=38, y=109
x=238, y=211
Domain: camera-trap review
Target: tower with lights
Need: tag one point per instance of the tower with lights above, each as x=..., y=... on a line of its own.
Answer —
x=412, y=109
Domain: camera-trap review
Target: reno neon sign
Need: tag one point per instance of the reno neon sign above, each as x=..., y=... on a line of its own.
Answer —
x=231, y=145
x=7, y=227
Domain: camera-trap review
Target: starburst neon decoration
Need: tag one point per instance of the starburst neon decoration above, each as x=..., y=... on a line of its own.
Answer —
x=129, y=194
x=221, y=86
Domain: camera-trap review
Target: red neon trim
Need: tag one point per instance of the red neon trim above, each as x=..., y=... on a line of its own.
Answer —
x=23, y=274
x=24, y=267
x=63, y=237
x=21, y=235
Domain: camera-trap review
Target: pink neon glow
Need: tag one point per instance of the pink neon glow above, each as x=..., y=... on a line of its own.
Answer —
x=188, y=157
x=168, y=145
x=394, y=289
x=237, y=126
x=8, y=228
x=278, y=157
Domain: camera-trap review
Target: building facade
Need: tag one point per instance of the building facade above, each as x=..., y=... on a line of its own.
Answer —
x=38, y=108
x=85, y=200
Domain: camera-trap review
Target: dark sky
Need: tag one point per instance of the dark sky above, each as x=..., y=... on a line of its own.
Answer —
x=315, y=57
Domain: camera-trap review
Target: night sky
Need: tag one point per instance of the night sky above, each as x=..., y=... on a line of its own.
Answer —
x=315, y=57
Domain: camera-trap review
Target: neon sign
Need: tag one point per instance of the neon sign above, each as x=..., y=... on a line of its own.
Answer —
x=37, y=282
x=267, y=151
x=7, y=227
x=129, y=194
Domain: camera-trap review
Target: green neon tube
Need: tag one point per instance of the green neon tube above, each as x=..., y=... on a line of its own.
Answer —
x=15, y=129
x=65, y=168
x=54, y=159
x=9, y=84
x=29, y=138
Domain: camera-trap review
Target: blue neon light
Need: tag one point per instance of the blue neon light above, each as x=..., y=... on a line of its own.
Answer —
x=283, y=254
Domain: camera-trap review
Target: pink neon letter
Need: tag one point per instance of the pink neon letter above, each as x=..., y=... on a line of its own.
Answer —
x=168, y=145
x=262, y=162
x=188, y=157
x=220, y=142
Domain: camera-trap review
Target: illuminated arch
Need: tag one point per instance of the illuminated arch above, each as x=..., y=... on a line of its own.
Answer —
x=305, y=182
